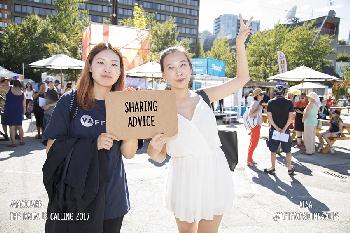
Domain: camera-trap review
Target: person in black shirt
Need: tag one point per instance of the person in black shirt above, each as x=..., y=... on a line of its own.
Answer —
x=103, y=73
x=38, y=111
x=280, y=114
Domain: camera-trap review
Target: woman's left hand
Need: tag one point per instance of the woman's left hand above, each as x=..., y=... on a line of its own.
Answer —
x=245, y=30
x=130, y=89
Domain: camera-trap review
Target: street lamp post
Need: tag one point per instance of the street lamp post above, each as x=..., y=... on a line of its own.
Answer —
x=114, y=12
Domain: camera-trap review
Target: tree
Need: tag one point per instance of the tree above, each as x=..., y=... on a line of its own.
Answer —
x=221, y=50
x=199, y=50
x=301, y=48
x=141, y=19
x=298, y=44
x=262, y=52
x=347, y=74
x=342, y=57
x=25, y=43
x=341, y=42
x=186, y=44
x=68, y=25
x=36, y=38
x=162, y=34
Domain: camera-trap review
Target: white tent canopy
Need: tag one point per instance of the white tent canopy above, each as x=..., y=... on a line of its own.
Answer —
x=59, y=62
x=309, y=85
x=301, y=74
x=147, y=70
x=6, y=73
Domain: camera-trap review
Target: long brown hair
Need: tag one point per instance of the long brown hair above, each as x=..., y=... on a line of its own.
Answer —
x=85, y=96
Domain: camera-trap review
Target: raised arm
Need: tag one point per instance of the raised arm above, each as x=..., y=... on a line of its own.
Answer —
x=219, y=92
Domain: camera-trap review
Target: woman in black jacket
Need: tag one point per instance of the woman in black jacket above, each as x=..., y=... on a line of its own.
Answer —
x=103, y=72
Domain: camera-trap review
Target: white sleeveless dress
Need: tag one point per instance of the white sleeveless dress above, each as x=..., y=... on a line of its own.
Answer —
x=199, y=183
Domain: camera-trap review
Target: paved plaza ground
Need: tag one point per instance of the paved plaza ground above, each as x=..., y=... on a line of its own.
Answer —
x=263, y=203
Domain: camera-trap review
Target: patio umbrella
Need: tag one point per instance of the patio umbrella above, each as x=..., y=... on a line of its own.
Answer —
x=148, y=70
x=303, y=74
x=59, y=62
x=6, y=73
x=308, y=85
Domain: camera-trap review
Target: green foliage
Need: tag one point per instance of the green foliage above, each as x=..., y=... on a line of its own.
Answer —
x=36, y=38
x=68, y=25
x=186, y=44
x=25, y=43
x=141, y=19
x=262, y=52
x=199, y=50
x=347, y=74
x=341, y=42
x=221, y=50
x=302, y=49
x=162, y=34
x=298, y=44
x=343, y=57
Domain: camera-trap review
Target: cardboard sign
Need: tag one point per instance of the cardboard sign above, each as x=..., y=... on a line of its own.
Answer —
x=141, y=114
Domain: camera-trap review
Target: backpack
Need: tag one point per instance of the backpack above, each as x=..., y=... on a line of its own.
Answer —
x=228, y=139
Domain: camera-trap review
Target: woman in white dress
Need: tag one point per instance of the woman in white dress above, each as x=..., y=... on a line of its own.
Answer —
x=199, y=188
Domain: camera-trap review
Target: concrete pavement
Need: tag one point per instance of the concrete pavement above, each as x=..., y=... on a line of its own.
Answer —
x=263, y=203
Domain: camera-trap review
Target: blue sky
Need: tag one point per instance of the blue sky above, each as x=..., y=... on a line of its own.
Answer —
x=270, y=12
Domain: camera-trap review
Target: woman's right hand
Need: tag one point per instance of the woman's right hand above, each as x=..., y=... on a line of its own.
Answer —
x=158, y=141
x=105, y=141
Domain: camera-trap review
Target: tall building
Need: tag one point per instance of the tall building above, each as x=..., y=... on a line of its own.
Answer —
x=228, y=25
x=206, y=39
x=99, y=10
x=5, y=13
x=185, y=12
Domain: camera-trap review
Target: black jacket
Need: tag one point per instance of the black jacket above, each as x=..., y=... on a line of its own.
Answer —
x=75, y=177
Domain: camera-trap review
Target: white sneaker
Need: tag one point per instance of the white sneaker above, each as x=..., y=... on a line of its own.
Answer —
x=332, y=150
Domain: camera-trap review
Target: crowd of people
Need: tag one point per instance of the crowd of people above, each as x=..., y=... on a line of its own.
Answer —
x=199, y=188
x=301, y=113
x=18, y=102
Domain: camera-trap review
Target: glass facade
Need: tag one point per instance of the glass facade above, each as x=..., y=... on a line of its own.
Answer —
x=184, y=12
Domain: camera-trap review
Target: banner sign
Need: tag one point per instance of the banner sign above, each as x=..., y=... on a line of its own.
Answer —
x=141, y=114
x=282, y=62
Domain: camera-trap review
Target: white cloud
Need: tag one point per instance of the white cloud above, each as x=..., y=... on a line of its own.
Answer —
x=327, y=8
x=305, y=7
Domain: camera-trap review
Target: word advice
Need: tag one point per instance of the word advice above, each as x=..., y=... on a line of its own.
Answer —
x=141, y=107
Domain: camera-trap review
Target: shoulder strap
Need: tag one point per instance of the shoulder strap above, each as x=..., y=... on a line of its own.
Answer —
x=204, y=96
x=73, y=106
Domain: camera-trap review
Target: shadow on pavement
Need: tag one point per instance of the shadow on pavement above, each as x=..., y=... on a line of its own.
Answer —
x=295, y=193
x=298, y=166
x=338, y=162
x=20, y=150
